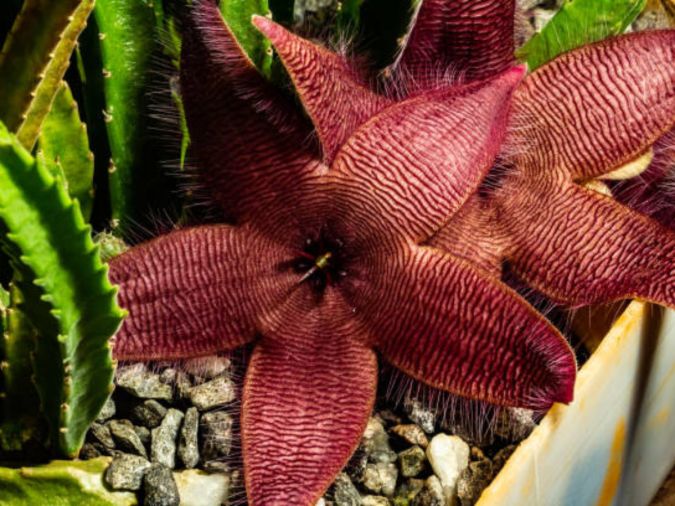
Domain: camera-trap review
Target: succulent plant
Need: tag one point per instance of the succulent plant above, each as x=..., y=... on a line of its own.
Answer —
x=388, y=228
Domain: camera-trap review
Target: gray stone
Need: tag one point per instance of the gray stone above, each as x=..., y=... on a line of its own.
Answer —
x=143, y=433
x=212, y=394
x=380, y=478
x=107, y=411
x=102, y=434
x=375, y=442
x=421, y=415
x=163, y=439
x=344, y=492
x=514, y=424
x=431, y=494
x=501, y=457
x=126, y=438
x=168, y=376
x=183, y=385
x=473, y=480
x=215, y=466
x=375, y=500
x=408, y=490
x=411, y=461
x=197, y=488
x=411, y=433
x=140, y=382
x=448, y=456
x=188, y=447
x=207, y=367
x=148, y=414
x=159, y=487
x=89, y=451
x=125, y=472
x=216, y=429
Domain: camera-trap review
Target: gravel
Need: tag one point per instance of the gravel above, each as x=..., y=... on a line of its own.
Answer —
x=125, y=472
x=163, y=439
x=159, y=487
x=126, y=438
x=188, y=444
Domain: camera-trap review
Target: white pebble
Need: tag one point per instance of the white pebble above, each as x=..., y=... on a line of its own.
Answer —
x=448, y=456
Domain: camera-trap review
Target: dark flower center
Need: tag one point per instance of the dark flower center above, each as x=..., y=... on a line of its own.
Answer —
x=321, y=261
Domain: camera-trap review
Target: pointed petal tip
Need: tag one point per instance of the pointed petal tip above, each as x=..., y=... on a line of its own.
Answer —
x=267, y=27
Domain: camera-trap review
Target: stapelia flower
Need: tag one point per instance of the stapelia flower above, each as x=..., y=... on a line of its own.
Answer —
x=322, y=260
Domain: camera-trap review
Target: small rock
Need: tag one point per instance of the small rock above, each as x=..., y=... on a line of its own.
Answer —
x=143, y=434
x=89, y=451
x=431, y=494
x=163, y=444
x=411, y=461
x=418, y=413
x=344, y=492
x=197, y=488
x=407, y=491
x=216, y=429
x=514, y=424
x=107, y=411
x=380, y=478
x=183, y=385
x=375, y=500
x=188, y=450
x=448, y=456
x=207, y=367
x=389, y=417
x=501, y=457
x=126, y=438
x=214, y=393
x=412, y=434
x=321, y=502
x=102, y=434
x=159, y=487
x=140, y=382
x=215, y=466
x=168, y=376
x=148, y=414
x=375, y=442
x=473, y=480
x=125, y=472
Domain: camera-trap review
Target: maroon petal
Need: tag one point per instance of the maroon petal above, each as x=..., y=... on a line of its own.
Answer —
x=596, y=108
x=253, y=149
x=453, y=327
x=334, y=95
x=579, y=247
x=309, y=391
x=471, y=37
x=412, y=166
x=196, y=291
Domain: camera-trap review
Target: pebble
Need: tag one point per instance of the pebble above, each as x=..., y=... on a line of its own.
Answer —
x=514, y=424
x=126, y=438
x=148, y=414
x=380, y=478
x=375, y=442
x=344, y=492
x=183, y=385
x=89, y=451
x=168, y=376
x=143, y=433
x=375, y=500
x=408, y=490
x=207, y=367
x=412, y=434
x=125, y=472
x=140, y=382
x=473, y=480
x=502, y=456
x=431, y=494
x=188, y=449
x=425, y=418
x=102, y=434
x=216, y=429
x=163, y=439
x=411, y=461
x=197, y=488
x=212, y=394
x=448, y=456
x=159, y=487
x=107, y=411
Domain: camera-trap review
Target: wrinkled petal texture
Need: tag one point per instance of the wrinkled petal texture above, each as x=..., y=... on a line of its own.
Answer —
x=451, y=326
x=253, y=149
x=309, y=390
x=196, y=291
x=579, y=247
x=473, y=38
x=597, y=108
x=412, y=166
x=334, y=95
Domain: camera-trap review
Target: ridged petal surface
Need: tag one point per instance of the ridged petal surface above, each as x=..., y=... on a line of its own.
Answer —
x=471, y=37
x=412, y=166
x=252, y=148
x=309, y=390
x=579, y=247
x=453, y=327
x=597, y=108
x=334, y=95
x=196, y=291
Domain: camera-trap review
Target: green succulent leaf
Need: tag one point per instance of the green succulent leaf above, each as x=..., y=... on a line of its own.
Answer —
x=34, y=59
x=47, y=236
x=579, y=22
x=237, y=14
x=61, y=483
x=64, y=145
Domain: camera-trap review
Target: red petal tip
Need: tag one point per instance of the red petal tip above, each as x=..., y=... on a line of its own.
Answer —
x=267, y=27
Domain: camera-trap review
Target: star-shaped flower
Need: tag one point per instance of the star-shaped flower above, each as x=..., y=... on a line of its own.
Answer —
x=327, y=254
